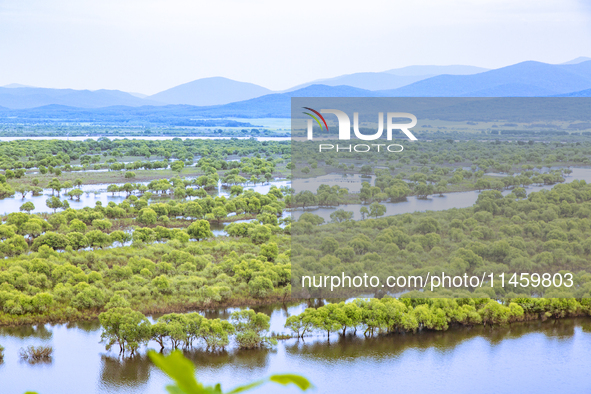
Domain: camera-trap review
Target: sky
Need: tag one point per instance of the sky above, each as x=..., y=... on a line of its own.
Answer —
x=148, y=46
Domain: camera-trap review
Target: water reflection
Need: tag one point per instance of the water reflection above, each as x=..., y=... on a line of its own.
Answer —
x=117, y=372
x=530, y=356
x=85, y=325
x=394, y=345
x=253, y=360
x=22, y=332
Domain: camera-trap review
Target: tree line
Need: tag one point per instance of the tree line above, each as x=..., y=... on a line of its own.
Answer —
x=128, y=329
x=410, y=314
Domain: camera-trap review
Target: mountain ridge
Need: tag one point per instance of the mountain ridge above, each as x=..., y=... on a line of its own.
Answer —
x=28, y=97
x=552, y=79
x=525, y=79
x=210, y=91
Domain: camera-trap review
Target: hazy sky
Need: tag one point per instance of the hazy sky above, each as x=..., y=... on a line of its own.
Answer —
x=150, y=45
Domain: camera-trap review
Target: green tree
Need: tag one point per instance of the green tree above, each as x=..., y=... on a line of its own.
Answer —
x=125, y=328
x=364, y=212
x=144, y=235
x=75, y=193
x=341, y=215
x=78, y=225
x=215, y=333
x=251, y=329
x=113, y=189
x=27, y=207
x=177, y=166
x=260, y=286
x=53, y=203
x=270, y=251
x=305, y=198
x=260, y=234
x=219, y=213
x=147, y=216
x=199, y=230
x=376, y=209
x=55, y=186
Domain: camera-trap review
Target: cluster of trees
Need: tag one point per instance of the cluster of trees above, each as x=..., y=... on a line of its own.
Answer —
x=545, y=231
x=254, y=167
x=422, y=184
x=487, y=156
x=129, y=329
x=409, y=314
x=181, y=188
x=256, y=162
x=5, y=189
x=51, y=154
x=161, y=269
x=249, y=166
x=45, y=285
x=432, y=167
x=241, y=202
x=139, y=220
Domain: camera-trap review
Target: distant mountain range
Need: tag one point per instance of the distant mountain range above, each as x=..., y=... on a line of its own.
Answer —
x=524, y=79
x=276, y=105
x=582, y=93
x=394, y=78
x=527, y=79
x=578, y=60
x=17, y=97
x=368, y=81
x=210, y=91
x=219, y=96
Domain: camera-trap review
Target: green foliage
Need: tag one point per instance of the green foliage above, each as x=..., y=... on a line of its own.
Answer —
x=147, y=216
x=199, y=229
x=125, y=328
x=46, y=285
x=547, y=232
x=182, y=372
x=390, y=315
x=251, y=328
x=27, y=207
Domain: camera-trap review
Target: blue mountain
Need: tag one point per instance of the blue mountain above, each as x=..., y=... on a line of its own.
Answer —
x=581, y=93
x=30, y=97
x=524, y=79
x=210, y=91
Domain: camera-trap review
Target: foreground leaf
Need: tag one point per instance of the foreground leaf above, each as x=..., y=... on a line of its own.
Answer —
x=179, y=369
x=182, y=371
x=303, y=383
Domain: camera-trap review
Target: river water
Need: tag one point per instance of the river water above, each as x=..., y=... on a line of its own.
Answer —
x=412, y=203
x=534, y=357
x=98, y=192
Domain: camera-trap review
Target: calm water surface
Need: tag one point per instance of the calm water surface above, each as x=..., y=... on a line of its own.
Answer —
x=412, y=203
x=548, y=357
x=98, y=192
